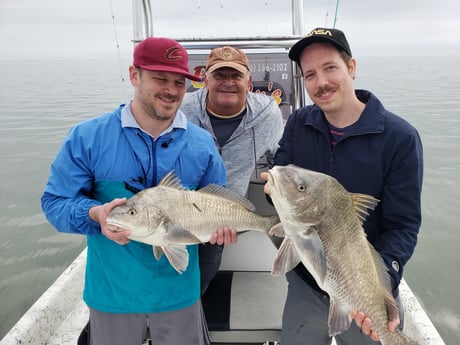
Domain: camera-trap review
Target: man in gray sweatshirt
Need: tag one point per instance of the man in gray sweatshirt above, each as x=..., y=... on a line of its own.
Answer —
x=245, y=126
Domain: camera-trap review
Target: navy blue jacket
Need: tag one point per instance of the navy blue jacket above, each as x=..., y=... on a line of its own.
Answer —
x=381, y=155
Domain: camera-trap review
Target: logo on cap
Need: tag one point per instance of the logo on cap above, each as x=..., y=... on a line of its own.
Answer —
x=227, y=54
x=319, y=32
x=173, y=54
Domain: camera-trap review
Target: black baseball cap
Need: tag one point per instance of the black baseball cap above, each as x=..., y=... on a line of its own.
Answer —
x=334, y=36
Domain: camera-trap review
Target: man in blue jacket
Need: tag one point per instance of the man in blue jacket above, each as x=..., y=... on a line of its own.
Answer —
x=349, y=135
x=108, y=158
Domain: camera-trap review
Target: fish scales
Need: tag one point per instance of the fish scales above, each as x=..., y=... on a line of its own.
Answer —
x=322, y=228
x=196, y=212
x=169, y=217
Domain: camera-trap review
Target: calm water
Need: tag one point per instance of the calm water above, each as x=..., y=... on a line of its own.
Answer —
x=41, y=100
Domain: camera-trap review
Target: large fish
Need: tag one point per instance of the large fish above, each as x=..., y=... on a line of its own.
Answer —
x=170, y=216
x=322, y=228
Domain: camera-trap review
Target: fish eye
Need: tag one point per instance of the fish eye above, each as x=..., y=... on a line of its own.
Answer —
x=132, y=212
x=301, y=188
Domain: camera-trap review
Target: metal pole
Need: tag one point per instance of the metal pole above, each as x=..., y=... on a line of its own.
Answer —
x=297, y=17
x=148, y=18
x=297, y=29
x=142, y=20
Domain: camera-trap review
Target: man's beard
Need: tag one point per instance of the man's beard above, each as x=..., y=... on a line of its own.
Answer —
x=153, y=111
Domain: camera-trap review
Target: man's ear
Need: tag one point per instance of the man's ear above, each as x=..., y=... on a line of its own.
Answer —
x=352, y=68
x=134, y=75
x=250, y=86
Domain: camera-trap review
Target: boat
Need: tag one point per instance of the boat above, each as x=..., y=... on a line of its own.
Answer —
x=249, y=299
x=59, y=315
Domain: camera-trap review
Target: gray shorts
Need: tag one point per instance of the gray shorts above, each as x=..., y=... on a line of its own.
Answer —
x=305, y=318
x=184, y=326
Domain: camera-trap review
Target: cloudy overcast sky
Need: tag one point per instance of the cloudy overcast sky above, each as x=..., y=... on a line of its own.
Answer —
x=54, y=29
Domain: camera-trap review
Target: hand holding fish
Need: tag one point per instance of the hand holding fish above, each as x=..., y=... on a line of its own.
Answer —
x=322, y=226
x=365, y=323
x=264, y=176
x=170, y=217
x=99, y=214
x=224, y=236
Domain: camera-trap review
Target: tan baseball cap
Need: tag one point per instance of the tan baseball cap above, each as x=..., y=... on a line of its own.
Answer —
x=227, y=57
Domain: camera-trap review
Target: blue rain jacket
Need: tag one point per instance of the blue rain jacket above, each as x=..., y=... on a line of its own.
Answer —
x=108, y=157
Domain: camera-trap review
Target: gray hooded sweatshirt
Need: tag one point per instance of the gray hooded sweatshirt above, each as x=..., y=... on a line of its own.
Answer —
x=258, y=134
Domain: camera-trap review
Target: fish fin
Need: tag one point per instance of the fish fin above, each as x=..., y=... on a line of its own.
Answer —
x=381, y=267
x=217, y=190
x=385, y=279
x=171, y=180
x=157, y=252
x=177, y=256
x=175, y=234
x=286, y=259
x=391, y=306
x=314, y=251
x=362, y=203
x=339, y=318
x=277, y=230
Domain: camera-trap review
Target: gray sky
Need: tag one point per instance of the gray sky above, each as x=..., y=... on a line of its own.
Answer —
x=54, y=29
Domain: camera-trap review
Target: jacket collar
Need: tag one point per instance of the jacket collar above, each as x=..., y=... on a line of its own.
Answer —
x=128, y=120
x=372, y=120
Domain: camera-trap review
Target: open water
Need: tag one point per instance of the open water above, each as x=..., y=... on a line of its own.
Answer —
x=41, y=100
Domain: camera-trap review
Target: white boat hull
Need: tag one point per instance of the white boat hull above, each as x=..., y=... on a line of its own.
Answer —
x=59, y=315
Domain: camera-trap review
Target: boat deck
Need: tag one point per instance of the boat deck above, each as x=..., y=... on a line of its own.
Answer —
x=59, y=315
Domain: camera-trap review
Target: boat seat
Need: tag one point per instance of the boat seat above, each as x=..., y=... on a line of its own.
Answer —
x=244, y=302
x=245, y=307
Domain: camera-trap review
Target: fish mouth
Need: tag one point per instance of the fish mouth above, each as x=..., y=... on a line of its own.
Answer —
x=274, y=187
x=116, y=227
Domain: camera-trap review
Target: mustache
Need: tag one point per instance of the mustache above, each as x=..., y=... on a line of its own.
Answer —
x=169, y=97
x=324, y=89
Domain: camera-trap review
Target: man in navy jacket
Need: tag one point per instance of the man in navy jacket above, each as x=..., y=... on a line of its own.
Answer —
x=349, y=135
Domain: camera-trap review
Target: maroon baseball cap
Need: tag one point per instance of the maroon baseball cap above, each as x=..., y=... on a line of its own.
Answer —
x=162, y=55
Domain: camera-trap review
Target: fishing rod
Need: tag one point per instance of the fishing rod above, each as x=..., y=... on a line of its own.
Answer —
x=336, y=10
x=335, y=16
